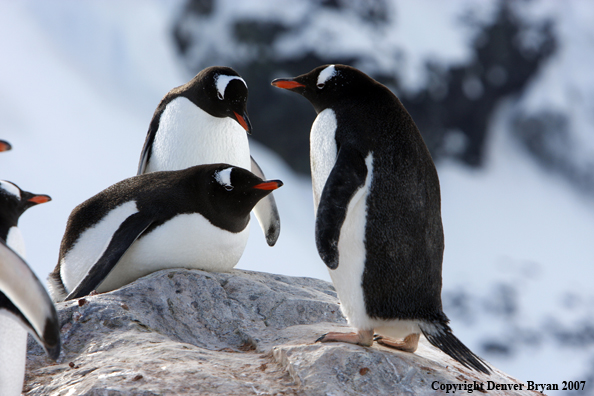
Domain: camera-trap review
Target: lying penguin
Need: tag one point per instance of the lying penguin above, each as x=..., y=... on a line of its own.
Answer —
x=24, y=304
x=378, y=213
x=192, y=218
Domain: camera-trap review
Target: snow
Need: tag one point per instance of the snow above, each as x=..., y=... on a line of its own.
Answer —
x=331, y=32
x=76, y=130
x=80, y=81
x=517, y=230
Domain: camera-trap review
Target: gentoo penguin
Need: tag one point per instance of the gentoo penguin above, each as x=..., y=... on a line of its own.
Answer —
x=192, y=218
x=203, y=122
x=378, y=213
x=13, y=203
x=4, y=145
x=24, y=303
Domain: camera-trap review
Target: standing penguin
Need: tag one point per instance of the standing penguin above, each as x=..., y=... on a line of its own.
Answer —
x=24, y=303
x=192, y=218
x=202, y=122
x=378, y=213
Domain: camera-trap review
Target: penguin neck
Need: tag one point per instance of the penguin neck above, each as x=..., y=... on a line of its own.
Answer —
x=8, y=220
x=223, y=212
x=14, y=240
x=232, y=221
x=189, y=136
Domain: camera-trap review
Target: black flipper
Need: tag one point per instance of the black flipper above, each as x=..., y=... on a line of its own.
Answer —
x=266, y=211
x=347, y=176
x=150, y=138
x=128, y=232
x=25, y=298
x=441, y=336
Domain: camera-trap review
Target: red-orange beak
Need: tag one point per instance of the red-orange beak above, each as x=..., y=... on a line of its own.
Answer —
x=269, y=185
x=285, y=83
x=244, y=121
x=4, y=146
x=39, y=199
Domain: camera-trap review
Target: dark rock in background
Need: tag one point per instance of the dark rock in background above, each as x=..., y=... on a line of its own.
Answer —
x=452, y=111
x=464, y=98
x=547, y=135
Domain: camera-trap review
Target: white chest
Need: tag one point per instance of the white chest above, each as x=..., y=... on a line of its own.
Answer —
x=13, y=338
x=323, y=151
x=352, y=254
x=189, y=136
x=186, y=241
x=15, y=241
x=13, y=344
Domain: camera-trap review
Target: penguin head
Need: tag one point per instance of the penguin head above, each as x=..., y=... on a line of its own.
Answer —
x=14, y=201
x=4, y=145
x=326, y=85
x=221, y=92
x=237, y=190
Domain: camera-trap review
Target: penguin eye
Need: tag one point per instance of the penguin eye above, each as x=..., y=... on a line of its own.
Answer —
x=220, y=95
x=321, y=85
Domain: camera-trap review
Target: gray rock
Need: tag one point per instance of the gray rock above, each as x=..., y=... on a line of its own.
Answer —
x=187, y=332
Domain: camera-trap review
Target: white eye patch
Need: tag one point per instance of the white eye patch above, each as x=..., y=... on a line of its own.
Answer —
x=326, y=75
x=10, y=188
x=223, y=177
x=222, y=80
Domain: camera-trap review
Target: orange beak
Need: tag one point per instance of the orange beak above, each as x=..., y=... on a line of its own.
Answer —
x=39, y=199
x=4, y=146
x=286, y=84
x=244, y=122
x=269, y=185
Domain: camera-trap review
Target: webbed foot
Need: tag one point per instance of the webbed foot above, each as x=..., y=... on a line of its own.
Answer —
x=362, y=337
x=409, y=344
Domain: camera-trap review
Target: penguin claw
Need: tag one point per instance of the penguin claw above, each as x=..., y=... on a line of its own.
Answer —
x=363, y=337
x=378, y=337
x=320, y=338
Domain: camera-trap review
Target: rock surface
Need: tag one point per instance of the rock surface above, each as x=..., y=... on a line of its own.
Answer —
x=187, y=332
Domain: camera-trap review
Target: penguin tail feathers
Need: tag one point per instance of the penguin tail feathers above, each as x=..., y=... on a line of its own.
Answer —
x=440, y=335
x=56, y=287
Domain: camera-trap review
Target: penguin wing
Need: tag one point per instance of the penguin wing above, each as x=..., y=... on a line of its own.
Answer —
x=266, y=211
x=128, y=232
x=345, y=179
x=146, y=150
x=25, y=299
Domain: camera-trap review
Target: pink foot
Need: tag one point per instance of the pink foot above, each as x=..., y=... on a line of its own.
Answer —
x=362, y=337
x=409, y=344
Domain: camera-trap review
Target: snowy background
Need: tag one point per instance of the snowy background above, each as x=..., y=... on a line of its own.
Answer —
x=79, y=83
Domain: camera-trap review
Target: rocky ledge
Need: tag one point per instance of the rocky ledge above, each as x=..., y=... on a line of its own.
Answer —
x=188, y=332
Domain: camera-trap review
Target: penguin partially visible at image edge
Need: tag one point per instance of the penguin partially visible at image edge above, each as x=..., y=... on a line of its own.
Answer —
x=24, y=303
x=5, y=146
